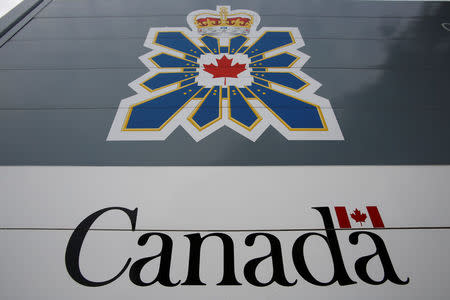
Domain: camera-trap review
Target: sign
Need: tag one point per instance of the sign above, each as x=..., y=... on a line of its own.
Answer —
x=209, y=211
x=224, y=72
x=202, y=232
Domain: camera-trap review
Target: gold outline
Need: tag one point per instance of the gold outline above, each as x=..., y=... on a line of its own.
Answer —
x=195, y=58
x=218, y=44
x=263, y=57
x=265, y=69
x=236, y=52
x=228, y=93
x=287, y=52
x=247, y=98
x=290, y=33
x=270, y=81
x=159, y=67
x=258, y=117
x=130, y=109
x=201, y=98
x=325, y=127
x=241, y=48
x=158, y=32
x=190, y=118
x=178, y=82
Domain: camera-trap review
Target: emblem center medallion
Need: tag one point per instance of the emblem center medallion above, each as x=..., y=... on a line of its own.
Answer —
x=224, y=70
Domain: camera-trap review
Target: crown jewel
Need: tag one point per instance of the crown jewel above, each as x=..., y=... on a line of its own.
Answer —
x=223, y=21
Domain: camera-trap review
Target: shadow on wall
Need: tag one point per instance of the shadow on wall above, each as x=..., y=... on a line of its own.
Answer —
x=408, y=97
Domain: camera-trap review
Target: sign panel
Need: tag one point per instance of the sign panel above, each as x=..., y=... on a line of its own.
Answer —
x=238, y=166
x=286, y=231
x=308, y=84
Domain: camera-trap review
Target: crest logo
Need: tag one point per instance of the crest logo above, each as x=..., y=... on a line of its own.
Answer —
x=224, y=72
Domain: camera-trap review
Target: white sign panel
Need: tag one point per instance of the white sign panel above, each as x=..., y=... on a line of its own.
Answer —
x=224, y=232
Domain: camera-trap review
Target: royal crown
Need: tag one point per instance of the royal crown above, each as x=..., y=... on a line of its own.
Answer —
x=223, y=21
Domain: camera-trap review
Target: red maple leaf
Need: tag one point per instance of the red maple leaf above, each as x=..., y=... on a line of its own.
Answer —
x=224, y=68
x=358, y=216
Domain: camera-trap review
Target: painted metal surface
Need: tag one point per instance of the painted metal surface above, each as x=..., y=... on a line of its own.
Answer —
x=261, y=214
x=83, y=217
x=223, y=198
x=18, y=17
x=123, y=245
x=73, y=61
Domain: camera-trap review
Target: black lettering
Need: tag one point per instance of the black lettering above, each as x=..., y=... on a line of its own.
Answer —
x=165, y=256
x=277, y=262
x=340, y=273
x=193, y=277
x=76, y=242
x=361, y=263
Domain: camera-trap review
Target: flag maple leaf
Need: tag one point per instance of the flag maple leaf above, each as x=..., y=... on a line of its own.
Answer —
x=224, y=68
x=358, y=216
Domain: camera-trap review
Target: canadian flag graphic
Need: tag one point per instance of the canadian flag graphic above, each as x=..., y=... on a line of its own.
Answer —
x=358, y=217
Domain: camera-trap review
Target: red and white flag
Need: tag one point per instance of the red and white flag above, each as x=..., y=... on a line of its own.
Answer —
x=358, y=217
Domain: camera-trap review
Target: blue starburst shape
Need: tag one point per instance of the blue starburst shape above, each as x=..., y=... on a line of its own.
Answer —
x=269, y=88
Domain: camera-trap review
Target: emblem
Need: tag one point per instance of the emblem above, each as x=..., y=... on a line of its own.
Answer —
x=224, y=72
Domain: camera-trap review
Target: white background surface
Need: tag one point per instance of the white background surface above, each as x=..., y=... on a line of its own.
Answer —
x=220, y=198
x=33, y=267
x=7, y=5
x=42, y=205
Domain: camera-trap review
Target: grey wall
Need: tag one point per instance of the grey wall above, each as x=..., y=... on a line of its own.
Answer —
x=384, y=67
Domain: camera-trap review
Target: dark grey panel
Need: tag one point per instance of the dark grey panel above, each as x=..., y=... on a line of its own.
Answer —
x=399, y=54
x=37, y=89
x=77, y=137
x=83, y=8
x=18, y=17
x=384, y=67
x=78, y=54
x=16, y=14
x=361, y=89
x=325, y=53
x=310, y=27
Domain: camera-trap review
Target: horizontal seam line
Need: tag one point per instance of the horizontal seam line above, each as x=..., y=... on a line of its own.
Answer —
x=213, y=166
x=426, y=38
x=223, y=230
x=214, y=163
x=261, y=15
x=434, y=68
x=421, y=108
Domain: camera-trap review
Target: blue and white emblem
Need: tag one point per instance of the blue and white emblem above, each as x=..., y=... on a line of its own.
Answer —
x=224, y=72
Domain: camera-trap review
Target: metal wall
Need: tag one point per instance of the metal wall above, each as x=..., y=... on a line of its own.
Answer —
x=383, y=65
